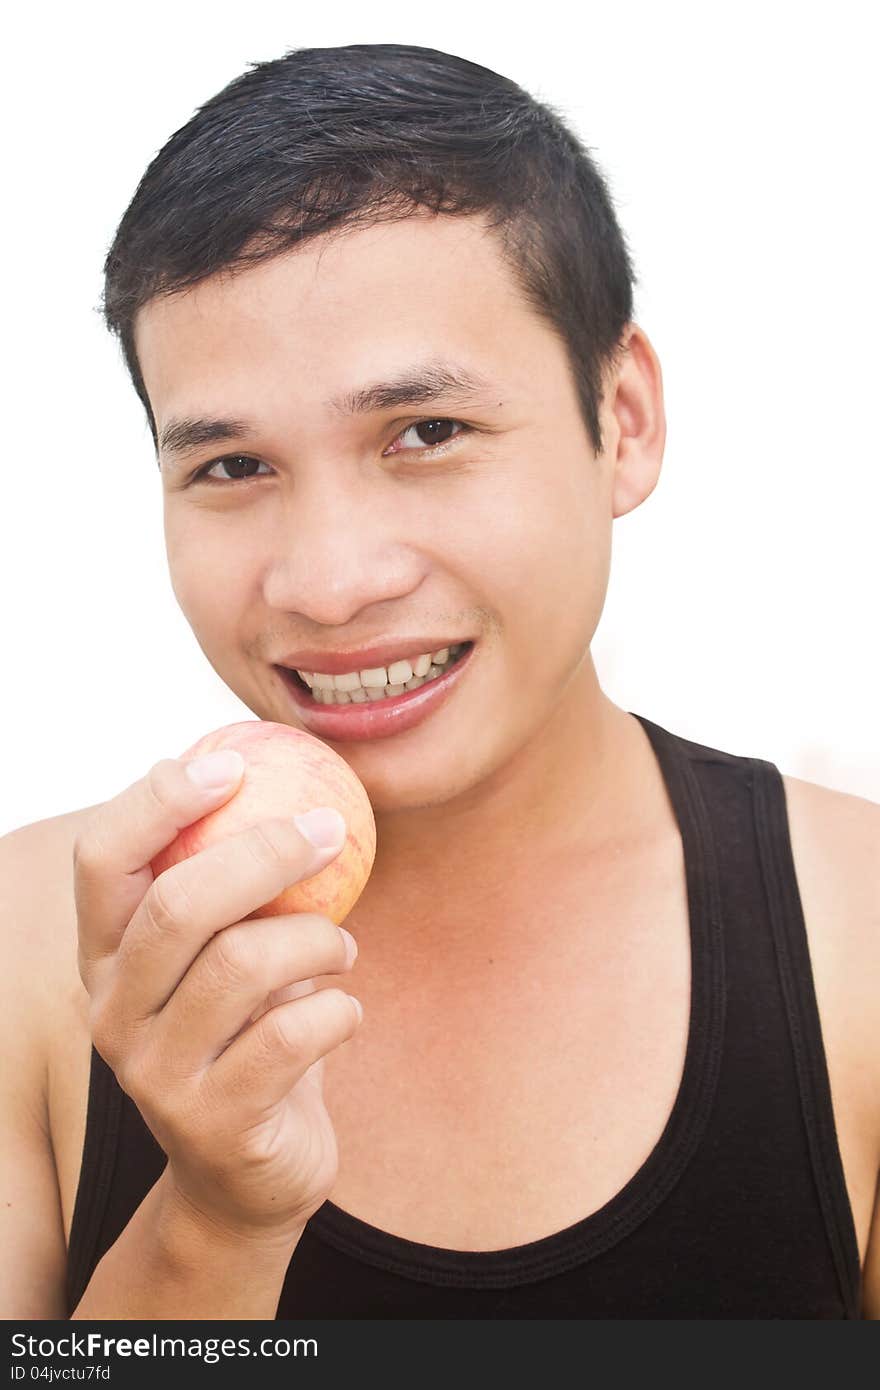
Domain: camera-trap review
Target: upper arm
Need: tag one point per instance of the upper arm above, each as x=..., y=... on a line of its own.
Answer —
x=836, y=846
x=33, y=1254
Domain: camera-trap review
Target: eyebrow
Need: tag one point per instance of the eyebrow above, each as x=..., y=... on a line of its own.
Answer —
x=418, y=386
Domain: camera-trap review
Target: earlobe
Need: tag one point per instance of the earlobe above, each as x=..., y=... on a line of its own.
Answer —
x=640, y=418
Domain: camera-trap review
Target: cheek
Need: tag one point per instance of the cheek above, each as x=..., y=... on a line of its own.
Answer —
x=557, y=545
x=207, y=573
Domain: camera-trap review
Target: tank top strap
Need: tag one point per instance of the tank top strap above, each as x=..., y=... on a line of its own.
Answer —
x=121, y=1162
x=744, y=798
x=96, y=1177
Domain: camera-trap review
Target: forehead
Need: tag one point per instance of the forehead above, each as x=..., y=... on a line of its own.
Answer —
x=334, y=310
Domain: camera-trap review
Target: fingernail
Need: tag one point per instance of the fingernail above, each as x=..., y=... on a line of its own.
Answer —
x=351, y=949
x=323, y=827
x=215, y=770
x=358, y=1005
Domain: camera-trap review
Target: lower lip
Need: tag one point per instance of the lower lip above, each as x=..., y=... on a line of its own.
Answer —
x=375, y=718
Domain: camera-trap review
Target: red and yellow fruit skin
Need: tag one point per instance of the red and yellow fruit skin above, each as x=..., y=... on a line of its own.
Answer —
x=287, y=771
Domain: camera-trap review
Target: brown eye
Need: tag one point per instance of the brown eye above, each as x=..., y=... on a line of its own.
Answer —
x=433, y=433
x=237, y=466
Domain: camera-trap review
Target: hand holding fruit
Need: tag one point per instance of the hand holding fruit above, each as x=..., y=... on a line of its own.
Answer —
x=177, y=964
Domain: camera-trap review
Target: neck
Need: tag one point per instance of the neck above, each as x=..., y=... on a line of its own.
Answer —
x=461, y=877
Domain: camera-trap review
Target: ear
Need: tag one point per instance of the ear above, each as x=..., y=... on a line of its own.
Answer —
x=636, y=423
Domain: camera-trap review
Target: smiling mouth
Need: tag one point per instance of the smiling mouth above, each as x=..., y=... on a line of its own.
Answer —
x=378, y=693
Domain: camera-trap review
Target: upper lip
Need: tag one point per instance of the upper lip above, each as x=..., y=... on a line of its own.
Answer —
x=366, y=658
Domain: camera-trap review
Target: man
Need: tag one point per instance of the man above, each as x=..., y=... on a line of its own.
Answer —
x=617, y=1049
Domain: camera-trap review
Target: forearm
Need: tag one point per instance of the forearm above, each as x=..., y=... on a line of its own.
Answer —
x=169, y=1264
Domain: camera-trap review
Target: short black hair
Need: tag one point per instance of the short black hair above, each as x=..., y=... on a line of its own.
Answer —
x=368, y=132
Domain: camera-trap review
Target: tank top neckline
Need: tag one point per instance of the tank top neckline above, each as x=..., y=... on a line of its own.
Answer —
x=661, y=1170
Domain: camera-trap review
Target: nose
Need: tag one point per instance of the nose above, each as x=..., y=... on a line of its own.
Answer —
x=334, y=551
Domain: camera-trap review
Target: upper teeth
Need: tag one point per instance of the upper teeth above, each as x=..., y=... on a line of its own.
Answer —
x=398, y=673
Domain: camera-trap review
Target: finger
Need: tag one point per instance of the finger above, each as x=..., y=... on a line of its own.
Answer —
x=212, y=890
x=234, y=975
x=296, y=990
x=314, y=1073
x=265, y=1063
x=113, y=850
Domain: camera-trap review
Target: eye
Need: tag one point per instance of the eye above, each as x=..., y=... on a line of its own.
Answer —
x=233, y=462
x=433, y=443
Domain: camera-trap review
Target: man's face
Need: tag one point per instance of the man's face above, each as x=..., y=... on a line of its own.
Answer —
x=331, y=531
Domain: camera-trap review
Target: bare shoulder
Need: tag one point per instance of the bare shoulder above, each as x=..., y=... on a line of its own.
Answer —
x=53, y=832
x=39, y=985
x=37, y=913
x=36, y=873
x=38, y=935
x=848, y=824
x=835, y=840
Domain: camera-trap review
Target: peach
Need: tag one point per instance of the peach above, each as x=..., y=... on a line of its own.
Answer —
x=287, y=772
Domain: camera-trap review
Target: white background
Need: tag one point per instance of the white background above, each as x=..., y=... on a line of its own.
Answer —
x=740, y=146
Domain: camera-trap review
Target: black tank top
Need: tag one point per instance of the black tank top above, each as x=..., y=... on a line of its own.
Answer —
x=741, y=1208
